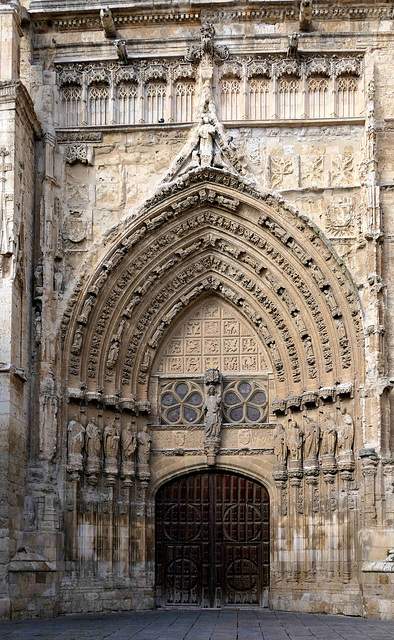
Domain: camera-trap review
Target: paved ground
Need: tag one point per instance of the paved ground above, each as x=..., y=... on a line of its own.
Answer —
x=199, y=625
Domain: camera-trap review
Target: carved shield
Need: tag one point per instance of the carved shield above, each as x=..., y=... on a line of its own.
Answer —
x=75, y=229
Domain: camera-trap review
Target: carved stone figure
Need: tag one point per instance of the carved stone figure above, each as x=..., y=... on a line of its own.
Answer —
x=77, y=343
x=207, y=33
x=86, y=309
x=329, y=436
x=295, y=441
x=37, y=327
x=345, y=432
x=309, y=349
x=113, y=354
x=206, y=133
x=280, y=445
x=48, y=417
x=213, y=413
x=58, y=282
x=107, y=22
x=144, y=443
x=98, y=283
x=75, y=442
x=129, y=445
x=38, y=279
x=312, y=438
x=75, y=438
x=111, y=441
x=93, y=439
x=129, y=442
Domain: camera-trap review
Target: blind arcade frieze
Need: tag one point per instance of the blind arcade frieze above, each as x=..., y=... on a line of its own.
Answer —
x=249, y=88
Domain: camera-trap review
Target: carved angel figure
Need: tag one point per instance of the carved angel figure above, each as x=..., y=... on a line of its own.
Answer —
x=213, y=413
x=280, y=445
x=129, y=442
x=144, y=443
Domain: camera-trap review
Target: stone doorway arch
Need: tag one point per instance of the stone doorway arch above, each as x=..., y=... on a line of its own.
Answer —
x=212, y=541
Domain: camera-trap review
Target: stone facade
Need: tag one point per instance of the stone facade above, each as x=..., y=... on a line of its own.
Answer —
x=195, y=274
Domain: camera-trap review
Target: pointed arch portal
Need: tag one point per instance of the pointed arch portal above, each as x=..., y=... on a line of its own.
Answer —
x=211, y=274
x=212, y=541
x=210, y=234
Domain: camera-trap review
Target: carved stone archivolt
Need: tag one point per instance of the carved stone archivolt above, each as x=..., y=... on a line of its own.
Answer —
x=210, y=236
x=294, y=295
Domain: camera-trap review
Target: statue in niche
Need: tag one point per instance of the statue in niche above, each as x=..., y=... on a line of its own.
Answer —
x=113, y=354
x=129, y=442
x=111, y=440
x=329, y=436
x=86, y=309
x=206, y=133
x=212, y=410
x=312, y=438
x=93, y=439
x=77, y=343
x=37, y=327
x=275, y=352
x=295, y=441
x=280, y=445
x=75, y=437
x=38, y=279
x=345, y=432
x=102, y=277
x=144, y=443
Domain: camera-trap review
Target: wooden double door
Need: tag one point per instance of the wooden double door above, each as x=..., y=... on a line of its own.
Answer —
x=212, y=541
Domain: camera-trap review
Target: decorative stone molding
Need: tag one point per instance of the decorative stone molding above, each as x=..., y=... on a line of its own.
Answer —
x=78, y=153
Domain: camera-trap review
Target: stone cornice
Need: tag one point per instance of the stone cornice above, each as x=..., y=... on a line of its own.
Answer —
x=128, y=13
x=14, y=91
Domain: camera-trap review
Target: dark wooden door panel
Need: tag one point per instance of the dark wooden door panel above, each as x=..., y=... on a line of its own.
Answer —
x=212, y=541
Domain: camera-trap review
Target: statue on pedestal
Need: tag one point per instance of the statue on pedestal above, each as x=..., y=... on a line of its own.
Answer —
x=345, y=432
x=212, y=410
x=213, y=413
x=93, y=449
x=312, y=438
x=111, y=449
x=280, y=445
x=75, y=442
x=129, y=445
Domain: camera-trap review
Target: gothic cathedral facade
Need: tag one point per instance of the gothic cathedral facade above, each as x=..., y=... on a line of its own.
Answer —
x=197, y=329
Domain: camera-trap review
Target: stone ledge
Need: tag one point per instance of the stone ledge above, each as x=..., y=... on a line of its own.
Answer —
x=381, y=566
x=28, y=560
